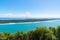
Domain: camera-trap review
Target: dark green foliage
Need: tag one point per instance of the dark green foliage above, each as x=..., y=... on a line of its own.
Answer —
x=40, y=33
x=58, y=32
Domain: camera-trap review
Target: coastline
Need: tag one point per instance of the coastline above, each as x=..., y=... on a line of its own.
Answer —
x=27, y=22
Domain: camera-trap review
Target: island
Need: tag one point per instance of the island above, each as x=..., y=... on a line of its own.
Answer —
x=27, y=20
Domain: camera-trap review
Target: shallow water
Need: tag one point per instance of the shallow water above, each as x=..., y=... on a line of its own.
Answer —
x=14, y=27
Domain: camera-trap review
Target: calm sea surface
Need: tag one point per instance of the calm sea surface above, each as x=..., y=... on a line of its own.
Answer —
x=14, y=27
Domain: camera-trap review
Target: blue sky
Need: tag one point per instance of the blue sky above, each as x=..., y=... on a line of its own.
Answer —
x=30, y=8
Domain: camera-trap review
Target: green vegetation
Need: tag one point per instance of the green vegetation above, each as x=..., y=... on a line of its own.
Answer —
x=40, y=33
x=26, y=20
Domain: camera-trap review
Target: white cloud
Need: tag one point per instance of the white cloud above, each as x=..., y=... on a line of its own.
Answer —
x=46, y=16
x=16, y=15
x=29, y=15
x=11, y=15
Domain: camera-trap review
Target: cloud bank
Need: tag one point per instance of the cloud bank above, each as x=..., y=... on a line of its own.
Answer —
x=29, y=15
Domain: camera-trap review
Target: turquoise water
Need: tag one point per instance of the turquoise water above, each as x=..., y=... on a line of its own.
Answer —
x=27, y=26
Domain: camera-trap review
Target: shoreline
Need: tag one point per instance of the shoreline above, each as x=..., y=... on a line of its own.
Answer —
x=28, y=22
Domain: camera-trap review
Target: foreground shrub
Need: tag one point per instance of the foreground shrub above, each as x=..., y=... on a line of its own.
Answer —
x=40, y=33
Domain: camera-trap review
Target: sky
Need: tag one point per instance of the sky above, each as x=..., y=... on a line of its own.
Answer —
x=29, y=8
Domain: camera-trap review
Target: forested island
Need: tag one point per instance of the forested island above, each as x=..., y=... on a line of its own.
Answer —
x=40, y=33
x=27, y=20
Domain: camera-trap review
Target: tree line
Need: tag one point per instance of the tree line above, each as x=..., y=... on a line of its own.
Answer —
x=40, y=33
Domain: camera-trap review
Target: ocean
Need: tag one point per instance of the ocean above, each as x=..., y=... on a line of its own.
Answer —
x=26, y=26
